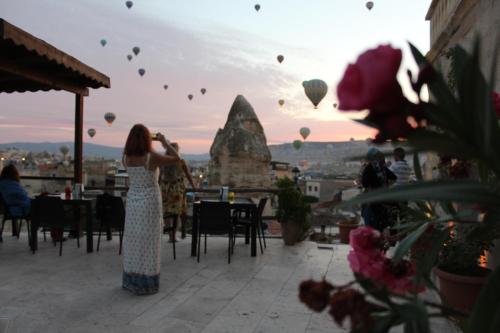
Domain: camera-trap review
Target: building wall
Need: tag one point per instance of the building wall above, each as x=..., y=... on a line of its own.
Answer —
x=313, y=188
x=455, y=22
x=459, y=22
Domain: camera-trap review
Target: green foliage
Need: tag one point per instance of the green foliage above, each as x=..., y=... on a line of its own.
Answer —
x=292, y=206
x=461, y=257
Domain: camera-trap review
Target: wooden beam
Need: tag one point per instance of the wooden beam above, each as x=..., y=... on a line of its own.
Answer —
x=78, y=168
x=41, y=77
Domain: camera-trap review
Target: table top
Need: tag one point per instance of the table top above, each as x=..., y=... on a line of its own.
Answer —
x=236, y=201
x=63, y=198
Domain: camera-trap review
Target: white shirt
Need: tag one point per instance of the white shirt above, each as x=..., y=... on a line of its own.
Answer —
x=403, y=171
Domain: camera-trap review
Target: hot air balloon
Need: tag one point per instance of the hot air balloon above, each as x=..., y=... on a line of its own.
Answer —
x=142, y=71
x=109, y=117
x=129, y=57
x=369, y=5
x=104, y=42
x=64, y=150
x=280, y=58
x=91, y=132
x=335, y=105
x=315, y=90
x=297, y=144
x=165, y=86
x=190, y=97
x=203, y=91
x=281, y=102
x=304, y=132
x=129, y=4
x=257, y=7
x=136, y=50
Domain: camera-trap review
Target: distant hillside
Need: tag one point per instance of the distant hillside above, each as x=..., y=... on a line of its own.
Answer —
x=325, y=152
x=89, y=149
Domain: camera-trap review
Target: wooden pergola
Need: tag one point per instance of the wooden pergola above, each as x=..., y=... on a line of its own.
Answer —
x=28, y=63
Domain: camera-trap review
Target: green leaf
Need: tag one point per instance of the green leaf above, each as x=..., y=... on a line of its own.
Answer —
x=426, y=263
x=405, y=245
x=381, y=294
x=382, y=324
x=441, y=190
x=414, y=316
x=487, y=307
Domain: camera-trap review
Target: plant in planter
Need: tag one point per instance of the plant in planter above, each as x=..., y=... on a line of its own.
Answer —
x=459, y=121
x=292, y=211
x=345, y=225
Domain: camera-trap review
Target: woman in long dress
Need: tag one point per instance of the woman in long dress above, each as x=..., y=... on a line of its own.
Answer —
x=173, y=191
x=143, y=214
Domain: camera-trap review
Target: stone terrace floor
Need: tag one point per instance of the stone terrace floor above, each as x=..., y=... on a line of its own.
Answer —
x=81, y=292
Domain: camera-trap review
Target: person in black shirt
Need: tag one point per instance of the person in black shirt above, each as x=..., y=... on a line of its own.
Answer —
x=376, y=175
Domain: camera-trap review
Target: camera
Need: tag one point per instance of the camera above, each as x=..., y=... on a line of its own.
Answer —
x=155, y=136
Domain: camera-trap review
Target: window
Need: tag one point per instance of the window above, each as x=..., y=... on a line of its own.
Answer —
x=315, y=189
x=310, y=188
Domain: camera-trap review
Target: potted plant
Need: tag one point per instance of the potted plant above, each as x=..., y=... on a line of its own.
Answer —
x=346, y=224
x=459, y=273
x=292, y=211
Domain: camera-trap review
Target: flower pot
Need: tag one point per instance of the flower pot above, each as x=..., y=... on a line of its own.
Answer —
x=459, y=291
x=345, y=230
x=290, y=232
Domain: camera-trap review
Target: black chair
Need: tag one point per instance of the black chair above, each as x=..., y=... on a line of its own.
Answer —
x=48, y=213
x=215, y=219
x=15, y=218
x=110, y=211
x=172, y=229
x=245, y=221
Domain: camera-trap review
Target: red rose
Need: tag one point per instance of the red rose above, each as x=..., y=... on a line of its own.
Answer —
x=496, y=103
x=371, y=82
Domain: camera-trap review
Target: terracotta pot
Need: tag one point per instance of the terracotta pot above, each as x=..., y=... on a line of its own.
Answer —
x=290, y=232
x=345, y=230
x=459, y=291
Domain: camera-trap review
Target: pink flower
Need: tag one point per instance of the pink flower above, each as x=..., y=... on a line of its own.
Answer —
x=371, y=82
x=392, y=127
x=368, y=265
x=496, y=103
x=366, y=239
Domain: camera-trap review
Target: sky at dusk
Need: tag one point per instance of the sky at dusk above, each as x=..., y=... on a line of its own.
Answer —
x=224, y=46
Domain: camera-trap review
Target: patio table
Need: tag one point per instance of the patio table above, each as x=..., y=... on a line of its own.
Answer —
x=237, y=203
x=74, y=204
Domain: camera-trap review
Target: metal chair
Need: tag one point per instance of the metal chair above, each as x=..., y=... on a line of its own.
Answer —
x=48, y=213
x=215, y=219
x=246, y=222
x=110, y=211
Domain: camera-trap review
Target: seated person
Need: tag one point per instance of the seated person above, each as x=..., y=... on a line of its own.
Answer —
x=14, y=195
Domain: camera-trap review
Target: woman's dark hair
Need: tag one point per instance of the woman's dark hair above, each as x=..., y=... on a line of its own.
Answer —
x=139, y=141
x=10, y=172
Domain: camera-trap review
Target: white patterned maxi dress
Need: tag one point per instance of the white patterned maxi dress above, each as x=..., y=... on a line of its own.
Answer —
x=141, y=240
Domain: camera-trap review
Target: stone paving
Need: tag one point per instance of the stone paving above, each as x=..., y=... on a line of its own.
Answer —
x=81, y=292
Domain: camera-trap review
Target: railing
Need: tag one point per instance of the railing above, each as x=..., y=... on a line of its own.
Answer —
x=39, y=184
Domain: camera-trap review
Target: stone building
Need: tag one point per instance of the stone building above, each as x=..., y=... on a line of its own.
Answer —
x=458, y=22
x=239, y=156
x=455, y=22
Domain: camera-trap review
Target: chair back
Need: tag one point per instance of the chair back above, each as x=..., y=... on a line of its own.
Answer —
x=261, y=206
x=215, y=217
x=48, y=211
x=110, y=210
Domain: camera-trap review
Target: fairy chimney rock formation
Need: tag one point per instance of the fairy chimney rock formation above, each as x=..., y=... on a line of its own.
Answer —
x=239, y=156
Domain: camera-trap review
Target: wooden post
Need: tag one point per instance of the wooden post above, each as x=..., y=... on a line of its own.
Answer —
x=78, y=168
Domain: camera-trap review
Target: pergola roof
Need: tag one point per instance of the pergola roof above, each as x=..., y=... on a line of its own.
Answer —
x=28, y=63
